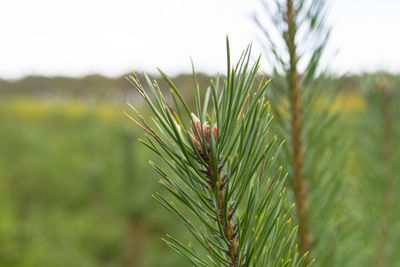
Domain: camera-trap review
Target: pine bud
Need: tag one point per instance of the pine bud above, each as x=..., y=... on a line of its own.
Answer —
x=207, y=133
x=195, y=142
x=214, y=131
x=197, y=125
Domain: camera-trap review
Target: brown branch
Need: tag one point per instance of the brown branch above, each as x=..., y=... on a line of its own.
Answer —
x=217, y=185
x=300, y=188
x=230, y=230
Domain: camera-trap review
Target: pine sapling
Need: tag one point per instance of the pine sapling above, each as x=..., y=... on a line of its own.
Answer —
x=294, y=36
x=219, y=157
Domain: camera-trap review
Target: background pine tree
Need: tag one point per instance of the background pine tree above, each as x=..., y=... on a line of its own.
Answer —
x=294, y=36
x=376, y=144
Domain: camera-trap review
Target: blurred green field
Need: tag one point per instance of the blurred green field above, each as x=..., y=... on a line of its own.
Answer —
x=75, y=188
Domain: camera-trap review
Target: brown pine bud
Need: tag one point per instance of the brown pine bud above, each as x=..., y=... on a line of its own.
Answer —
x=195, y=142
x=197, y=125
x=207, y=133
x=214, y=131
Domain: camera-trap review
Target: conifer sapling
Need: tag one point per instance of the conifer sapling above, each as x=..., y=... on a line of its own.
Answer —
x=220, y=155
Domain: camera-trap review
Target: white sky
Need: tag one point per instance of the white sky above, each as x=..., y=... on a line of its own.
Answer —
x=78, y=37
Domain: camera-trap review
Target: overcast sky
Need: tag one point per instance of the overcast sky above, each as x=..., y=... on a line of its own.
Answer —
x=79, y=37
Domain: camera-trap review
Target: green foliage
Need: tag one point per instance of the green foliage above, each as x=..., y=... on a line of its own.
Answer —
x=310, y=36
x=324, y=170
x=69, y=192
x=376, y=149
x=226, y=193
x=294, y=37
x=75, y=189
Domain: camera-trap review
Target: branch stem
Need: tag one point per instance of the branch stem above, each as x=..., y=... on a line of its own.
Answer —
x=300, y=188
x=229, y=229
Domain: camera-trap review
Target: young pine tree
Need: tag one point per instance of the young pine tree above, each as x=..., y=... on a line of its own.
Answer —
x=294, y=37
x=378, y=146
x=219, y=157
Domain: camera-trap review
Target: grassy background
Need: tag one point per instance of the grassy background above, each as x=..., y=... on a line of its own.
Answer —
x=75, y=188
x=75, y=185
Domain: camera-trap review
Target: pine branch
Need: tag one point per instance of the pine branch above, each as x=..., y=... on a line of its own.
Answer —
x=222, y=164
x=218, y=183
x=378, y=150
x=300, y=189
x=294, y=34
